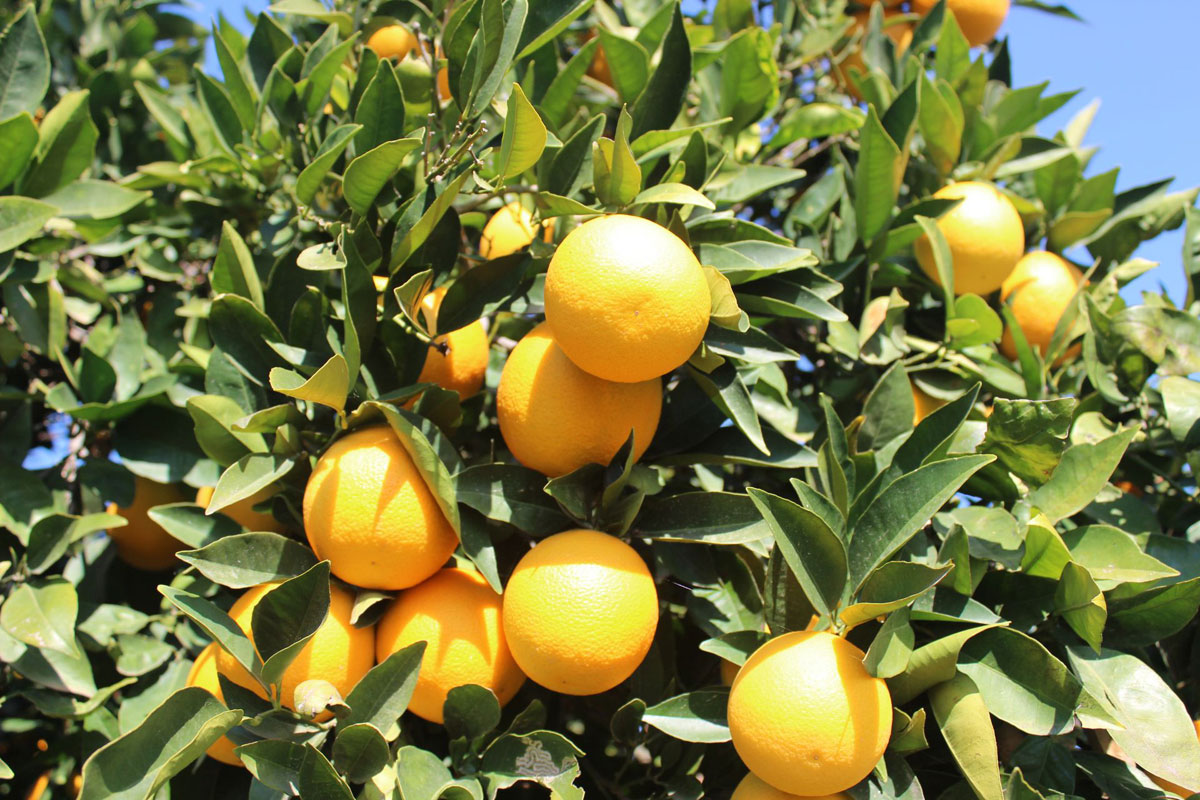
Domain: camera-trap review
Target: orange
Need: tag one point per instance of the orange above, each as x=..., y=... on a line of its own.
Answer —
x=511, y=229
x=1041, y=288
x=599, y=68
x=626, y=298
x=443, y=84
x=458, y=615
x=753, y=787
x=143, y=543
x=368, y=510
x=462, y=367
x=901, y=34
x=923, y=404
x=979, y=19
x=392, y=41
x=729, y=671
x=204, y=675
x=338, y=652
x=1166, y=785
x=985, y=235
x=580, y=612
x=555, y=417
x=242, y=512
x=806, y=716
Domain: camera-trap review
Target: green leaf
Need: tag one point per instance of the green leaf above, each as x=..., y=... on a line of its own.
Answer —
x=18, y=138
x=615, y=172
x=1154, y=614
x=165, y=114
x=328, y=386
x=217, y=624
x=974, y=322
x=1181, y=401
x=724, y=385
x=176, y=733
x=892, y=586
x=877, y=178
x=888, y=412
x=1081, y=604
x=902, y=509
x=42, y=615
x=370, y=172
x=214, y=416
x=943, y=261
x=812, y=550
x=470, y=712
x=360, y=752
x=892, y=646
x=677, y=193
x=1112, y=556
x=312, y=9
x=1084, y=470
x=251, y=473
x=51, y=535
x=711, y=517
x=249, y=559
x=628, y=63
x=137, y=654
x=512, y=494
x=511, y=757
x=382, y=695
x=1155, y=729
x=662, y=100
x=420, y=773
x=189, y=524
x=89, y=199
x=218, y=108
x=1021, y=682
x=816, y=121
x=24, y=65
x=244, y=335
x=313, y=175
x=421, y=231
x=967, y=728
x=1028, y=436
x=314, y=87
x=294, y=769
x=286, y=619
x=1168, y=337
x=524, y=136
x=22, y=218
x=692, y=717
x=931, y=664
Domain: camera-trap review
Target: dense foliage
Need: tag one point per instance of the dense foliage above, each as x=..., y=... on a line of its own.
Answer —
x=187, y=268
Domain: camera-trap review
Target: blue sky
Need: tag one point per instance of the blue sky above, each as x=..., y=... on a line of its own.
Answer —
x=1137, y=59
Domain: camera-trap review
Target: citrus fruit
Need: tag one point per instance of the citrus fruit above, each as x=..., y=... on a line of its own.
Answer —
x=204, y=674
x=599, y=68
x=511, y=229
x=1041, y=288
x=979, y=19
x=463, y=365
x=242, y=512
x=806, y=716
x=143, y=543
x=753, y=787
x=729, y=671
x=338, y=652
x=392, y=41
x=900, y=32
x=626, y=298
x=368, y=510
x=923, y=404
x=555, y=417
x=985, y=235
x=580, y=612
x=458, y=616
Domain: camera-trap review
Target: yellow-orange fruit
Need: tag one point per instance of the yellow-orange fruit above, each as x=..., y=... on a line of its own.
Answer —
x=143, y=543
x=1041, y=288
x=923, y=404
x=555, y=417
x=458, y=615
x=626, y=298
x=901, y=34
x=338, y=652
x=462, y=367
x=979, y=19
x=204, y=675
x=511, y=229
x=443, y=84
x=368, y=510
x=1166, y=785
x=242, y=512
x=806, y=716
x=985, y=236
x=392, y=41
x=729, y=671
x=580, y=612
x=599, y=68
x=753, y=787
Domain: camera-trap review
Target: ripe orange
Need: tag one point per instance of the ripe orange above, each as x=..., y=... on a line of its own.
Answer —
x=392, y=41
x=368, y=510
x=511, y=229
x=753, y=787
x=923, y=404
x=204, y=675
x=338, y=652
x=555, y=417
x=242, y=512
x=985, y=235
x=1042, y=287
x=599, y=68
x=729, y=671
x=806, y=716
x=463, y=366
x=626, y=298
x=143, y=543
x=458, y=615
x=979, y=19
x=901, y=34
x=580, y=612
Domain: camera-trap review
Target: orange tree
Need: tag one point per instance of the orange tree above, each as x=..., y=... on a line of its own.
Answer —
x=255, y=329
